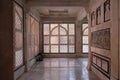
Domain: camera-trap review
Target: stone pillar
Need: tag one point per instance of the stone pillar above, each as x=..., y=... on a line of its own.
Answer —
x=6, y=40
x=119, y=38
x=27, y=20
x=78, y=39
x=114, y=40
x=41, y=37
x=89, y=44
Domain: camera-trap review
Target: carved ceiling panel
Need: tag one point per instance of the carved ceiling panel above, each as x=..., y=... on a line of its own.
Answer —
x=58, y=2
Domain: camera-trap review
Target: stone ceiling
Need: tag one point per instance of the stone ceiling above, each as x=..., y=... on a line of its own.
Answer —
x=58, y=8
x=82, y=3
x=59, y=11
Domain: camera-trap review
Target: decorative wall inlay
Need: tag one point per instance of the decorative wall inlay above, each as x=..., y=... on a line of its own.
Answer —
x=18, y=35
x=101, y=39
x=93, y=18
x=98, y=15
x=101, y=63
x=107, y=10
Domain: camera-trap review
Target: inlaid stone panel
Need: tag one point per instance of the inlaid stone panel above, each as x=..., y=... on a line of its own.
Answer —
x=105, y=65
x=101, y=39
x=101, y=63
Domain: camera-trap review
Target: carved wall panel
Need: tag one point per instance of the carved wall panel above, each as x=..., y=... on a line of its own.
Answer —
x=101, y=39
x=101, y=63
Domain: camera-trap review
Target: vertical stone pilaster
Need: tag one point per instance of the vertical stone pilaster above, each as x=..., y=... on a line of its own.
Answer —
x=119, y=38
x=78, y=38
x=6, y=40
x=114, y=39
x=89, y=36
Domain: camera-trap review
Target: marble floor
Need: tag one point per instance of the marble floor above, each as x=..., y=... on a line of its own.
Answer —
x=60, y=69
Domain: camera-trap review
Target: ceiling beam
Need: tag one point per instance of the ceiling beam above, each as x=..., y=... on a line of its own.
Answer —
x=58, y=19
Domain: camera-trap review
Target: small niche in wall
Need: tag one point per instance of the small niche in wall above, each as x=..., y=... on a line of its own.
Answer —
x=98, y=15
x=93, y=18
x=107, y=11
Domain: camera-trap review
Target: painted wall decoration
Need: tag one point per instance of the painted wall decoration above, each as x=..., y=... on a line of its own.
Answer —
x=107, y=10
x=18, y=35
x=98, y=15
x=101, y=39
x=93, y=18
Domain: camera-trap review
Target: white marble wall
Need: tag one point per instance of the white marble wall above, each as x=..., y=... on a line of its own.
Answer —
x=113, y=25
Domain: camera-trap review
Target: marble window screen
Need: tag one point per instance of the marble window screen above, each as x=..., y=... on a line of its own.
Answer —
x=18, y=12
x=66, y=29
